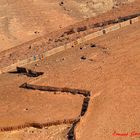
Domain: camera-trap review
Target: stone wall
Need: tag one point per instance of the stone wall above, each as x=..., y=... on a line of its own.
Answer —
x=71, y=44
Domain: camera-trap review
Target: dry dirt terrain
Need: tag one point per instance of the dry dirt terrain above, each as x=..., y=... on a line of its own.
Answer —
x=110, y=71
x=60, y=37
x=23, y=20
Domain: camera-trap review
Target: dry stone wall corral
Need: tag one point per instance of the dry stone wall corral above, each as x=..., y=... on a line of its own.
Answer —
x=71, y=133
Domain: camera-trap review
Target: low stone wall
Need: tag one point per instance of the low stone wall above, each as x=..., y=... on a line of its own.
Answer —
x=112, y=28
x=94, y=35
x=134, y=20
x=71, y=44
x=125, y=23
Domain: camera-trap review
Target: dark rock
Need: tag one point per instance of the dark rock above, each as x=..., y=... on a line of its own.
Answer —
x=31, y=73
x=36, y=65
x=28, y=72
x=63, y=59
x=36, y=32
x=83, y=57
x=21, y=70
x=30, y=47
x=80, y=29
x=93, y=45
x=61, y=3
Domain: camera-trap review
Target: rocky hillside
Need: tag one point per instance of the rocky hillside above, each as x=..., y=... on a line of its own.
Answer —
x=23, y=20
x=89, y=8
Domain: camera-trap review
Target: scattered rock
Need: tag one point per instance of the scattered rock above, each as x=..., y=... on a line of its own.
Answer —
x=63, y=59
x=26, y=109
x=83, y=47
x=61, y=3
x=36, y=32
x=50, y=39
x=80, y=29
x=30, y=47
x=36, y=65
x=93, y=45
x=83, y=58
x=10, y=55
x=69, y=32
x=91, y=59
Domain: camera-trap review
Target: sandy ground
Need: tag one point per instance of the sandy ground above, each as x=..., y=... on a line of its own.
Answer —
x=21, y=21
x=47, y=133
x=54, y=39
x=23, y=106
x=24, y=20
x=111, y=72
x=116, y=105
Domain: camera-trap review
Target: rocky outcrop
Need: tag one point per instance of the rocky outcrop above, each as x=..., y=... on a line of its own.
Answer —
x=21, y=21
x=92, y=8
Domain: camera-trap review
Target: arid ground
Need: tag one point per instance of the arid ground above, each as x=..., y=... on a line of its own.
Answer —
x=21, y=21
x=110, y=70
